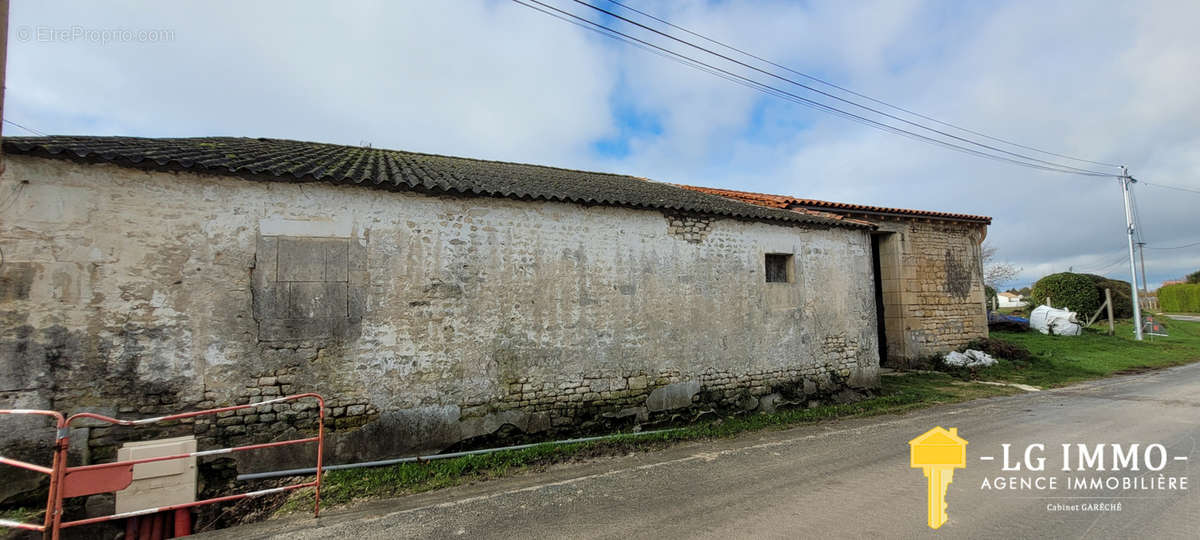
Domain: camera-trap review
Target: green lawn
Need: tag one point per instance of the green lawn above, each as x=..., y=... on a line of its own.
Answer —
x=1062, y=360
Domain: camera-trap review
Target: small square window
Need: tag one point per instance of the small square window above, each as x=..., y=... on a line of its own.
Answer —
x=779, y=267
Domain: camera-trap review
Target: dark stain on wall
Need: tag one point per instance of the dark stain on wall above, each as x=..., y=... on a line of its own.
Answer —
x=958, y=276
x=16, y=278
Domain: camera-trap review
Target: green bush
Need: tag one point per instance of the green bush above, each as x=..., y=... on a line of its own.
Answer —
x=1076, y=292
x=1180, y=298
x=1194, y=277
x=1121, y=296
x=1070, y=291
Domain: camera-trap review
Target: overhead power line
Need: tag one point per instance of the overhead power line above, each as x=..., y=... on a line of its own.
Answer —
x=990, y=152
x=836, y=97
x=1106, y=267
x=853, y=93
x=29, y=129
x=679, y=60
x=1165, y=186
x=806, y=101
x=1176, y=247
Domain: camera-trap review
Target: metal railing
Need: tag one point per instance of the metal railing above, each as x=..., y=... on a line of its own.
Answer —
x=80, y=481
x=57, y=462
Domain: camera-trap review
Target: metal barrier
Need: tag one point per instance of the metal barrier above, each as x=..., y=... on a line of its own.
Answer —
x=67, y=482
x=57, y=462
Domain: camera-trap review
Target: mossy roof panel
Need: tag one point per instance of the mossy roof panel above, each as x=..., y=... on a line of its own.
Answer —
x=377, y=168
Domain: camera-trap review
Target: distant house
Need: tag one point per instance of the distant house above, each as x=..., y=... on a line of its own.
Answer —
x=1010, y=300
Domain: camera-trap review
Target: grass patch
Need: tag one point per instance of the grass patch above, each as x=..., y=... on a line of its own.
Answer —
x=1055, y=361
x=897, y=394
x=1061, y=360
x=23, y=514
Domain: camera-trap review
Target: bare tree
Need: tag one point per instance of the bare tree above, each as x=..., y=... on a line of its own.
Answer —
x=996, y=273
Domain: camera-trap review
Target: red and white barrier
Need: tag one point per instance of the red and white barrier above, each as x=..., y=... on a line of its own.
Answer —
x=67, y=482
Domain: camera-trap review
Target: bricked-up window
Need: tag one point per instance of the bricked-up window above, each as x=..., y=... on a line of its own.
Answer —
x=779, y=266
x=307, y=287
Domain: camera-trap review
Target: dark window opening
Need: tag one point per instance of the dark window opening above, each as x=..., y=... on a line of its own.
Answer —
x=778, y=266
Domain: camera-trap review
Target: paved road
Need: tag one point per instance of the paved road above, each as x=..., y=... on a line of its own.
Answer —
x=840, y=479
x=1193, y=318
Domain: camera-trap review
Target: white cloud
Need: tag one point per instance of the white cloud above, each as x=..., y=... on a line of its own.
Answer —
x=478, y=78
x=1108, y=82
x=489, y=78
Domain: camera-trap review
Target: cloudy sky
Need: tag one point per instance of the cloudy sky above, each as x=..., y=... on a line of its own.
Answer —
x=1113, y=82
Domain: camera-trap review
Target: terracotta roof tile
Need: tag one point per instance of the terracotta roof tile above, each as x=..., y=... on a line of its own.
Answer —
x=786, y=202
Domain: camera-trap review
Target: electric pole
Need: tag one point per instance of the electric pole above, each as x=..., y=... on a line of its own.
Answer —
x=1142, y=260
x=1126, y=180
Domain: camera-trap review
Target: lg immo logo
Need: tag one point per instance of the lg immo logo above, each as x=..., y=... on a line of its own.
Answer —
x=938, y=452
x=1091, y=472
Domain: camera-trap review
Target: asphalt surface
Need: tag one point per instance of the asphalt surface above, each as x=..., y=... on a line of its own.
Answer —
x=839, y=479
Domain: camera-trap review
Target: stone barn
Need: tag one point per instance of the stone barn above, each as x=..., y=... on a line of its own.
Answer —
x=433, y=300
x=928, y=272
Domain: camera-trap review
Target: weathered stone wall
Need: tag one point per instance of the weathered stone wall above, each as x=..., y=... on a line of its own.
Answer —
x=932, y=277
x=425, y=320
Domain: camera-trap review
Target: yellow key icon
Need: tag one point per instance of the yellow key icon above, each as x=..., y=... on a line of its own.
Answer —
x=938, y=451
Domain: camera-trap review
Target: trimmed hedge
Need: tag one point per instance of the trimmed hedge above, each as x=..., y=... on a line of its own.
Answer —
x=1180, y=298
x=1083, y=293
x=1121, y=296
x=1076, y=292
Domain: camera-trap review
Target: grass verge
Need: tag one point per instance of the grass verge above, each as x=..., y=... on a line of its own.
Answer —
x=897, y=394
x=1056, y=361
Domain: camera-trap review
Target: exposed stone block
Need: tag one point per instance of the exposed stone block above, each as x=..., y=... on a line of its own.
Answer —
x=301, y=259
x=337, y=263
x=672, y=396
